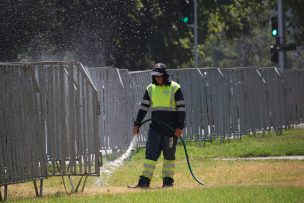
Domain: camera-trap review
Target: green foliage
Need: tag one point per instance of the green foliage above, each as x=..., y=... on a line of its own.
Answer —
x=237, y=36
x=295, y=19
x=138, y=33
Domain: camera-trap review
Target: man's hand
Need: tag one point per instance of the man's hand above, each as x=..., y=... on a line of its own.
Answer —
x=135, y=130
x=178, y=132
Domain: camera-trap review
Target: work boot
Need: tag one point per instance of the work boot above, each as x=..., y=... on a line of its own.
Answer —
x=143, y=182
x=168, y=182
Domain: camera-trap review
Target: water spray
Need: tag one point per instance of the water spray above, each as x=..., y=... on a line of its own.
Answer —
x=109, y=167
x=184, y=145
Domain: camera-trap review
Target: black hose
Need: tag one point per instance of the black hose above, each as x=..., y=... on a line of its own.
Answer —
x=184, y=145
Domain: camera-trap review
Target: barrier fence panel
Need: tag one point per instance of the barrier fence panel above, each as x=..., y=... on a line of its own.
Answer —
x=72, y=121
x=48, y=115
x=294, y=96
x=273, y=96
x=139, y=81
x=116, y=97
x=21, y=126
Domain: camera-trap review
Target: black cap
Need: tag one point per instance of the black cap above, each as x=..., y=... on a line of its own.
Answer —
x=159, y=69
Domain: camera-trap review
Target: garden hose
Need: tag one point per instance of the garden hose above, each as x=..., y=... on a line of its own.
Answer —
x=184, y=145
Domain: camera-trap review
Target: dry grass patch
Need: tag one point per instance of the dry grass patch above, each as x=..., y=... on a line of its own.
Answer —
x=220, y=173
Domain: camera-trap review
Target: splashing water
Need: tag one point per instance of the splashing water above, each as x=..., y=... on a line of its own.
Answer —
x=109, y=167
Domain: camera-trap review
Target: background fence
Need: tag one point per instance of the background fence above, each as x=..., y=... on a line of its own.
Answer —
x=48, y=121
x=219, y=102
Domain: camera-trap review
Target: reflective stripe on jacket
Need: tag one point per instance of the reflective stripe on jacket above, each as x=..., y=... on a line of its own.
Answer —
x=162, y=97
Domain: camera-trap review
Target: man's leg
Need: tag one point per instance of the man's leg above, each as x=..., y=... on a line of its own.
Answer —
x=169, y=149
x=153, y=151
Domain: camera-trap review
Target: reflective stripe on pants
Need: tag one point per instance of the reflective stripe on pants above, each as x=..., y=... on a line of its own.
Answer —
x=168, y=168
x=149, y=166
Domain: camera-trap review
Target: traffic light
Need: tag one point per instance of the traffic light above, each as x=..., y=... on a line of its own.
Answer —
x=186, y=12
x=274, y=26
x=274, y=53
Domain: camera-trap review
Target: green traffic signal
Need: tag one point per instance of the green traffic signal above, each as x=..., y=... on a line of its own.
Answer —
x=185, y=19
x=274, y=26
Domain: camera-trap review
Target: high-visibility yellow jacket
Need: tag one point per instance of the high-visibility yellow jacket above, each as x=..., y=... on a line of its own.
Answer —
x=167, y=105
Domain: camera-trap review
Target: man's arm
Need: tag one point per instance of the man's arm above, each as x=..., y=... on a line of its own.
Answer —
x=144, y=107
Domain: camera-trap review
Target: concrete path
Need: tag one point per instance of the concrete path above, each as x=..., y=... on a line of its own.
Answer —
x=264, y=158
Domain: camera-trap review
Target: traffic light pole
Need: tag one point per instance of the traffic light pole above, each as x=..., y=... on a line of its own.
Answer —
x=281, y=24
x=195, y=35
x=194, y=26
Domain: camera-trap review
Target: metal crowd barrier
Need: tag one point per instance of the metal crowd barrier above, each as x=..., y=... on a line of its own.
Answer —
x=220, y=103
x=48, y=123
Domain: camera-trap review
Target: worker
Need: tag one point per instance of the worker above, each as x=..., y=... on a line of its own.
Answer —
x=166, y=100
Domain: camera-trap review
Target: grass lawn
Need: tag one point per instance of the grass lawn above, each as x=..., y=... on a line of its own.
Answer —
x=226, y=181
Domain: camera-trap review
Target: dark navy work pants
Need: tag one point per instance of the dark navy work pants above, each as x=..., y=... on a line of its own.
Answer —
x=157, y=142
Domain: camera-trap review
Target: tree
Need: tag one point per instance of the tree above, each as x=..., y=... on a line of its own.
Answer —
x=137, y=33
